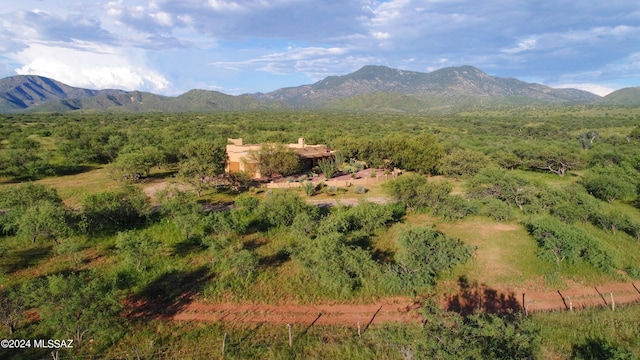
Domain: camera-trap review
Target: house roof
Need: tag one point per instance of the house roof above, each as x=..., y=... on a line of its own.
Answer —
x=313, y=151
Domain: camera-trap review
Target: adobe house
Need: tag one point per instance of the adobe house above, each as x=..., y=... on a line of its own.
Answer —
x=237, y=156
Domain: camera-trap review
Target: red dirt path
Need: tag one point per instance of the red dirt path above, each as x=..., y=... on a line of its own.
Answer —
x=387, y=310
x=401, y=309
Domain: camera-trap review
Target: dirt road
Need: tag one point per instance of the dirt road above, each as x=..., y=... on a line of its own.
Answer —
x=387, y=310
x=402, y=309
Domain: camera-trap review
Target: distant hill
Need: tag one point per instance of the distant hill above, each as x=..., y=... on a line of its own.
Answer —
x=22, y=91
x=378, y=88
x=628, y=96
x=451, y=82
x=33, y=93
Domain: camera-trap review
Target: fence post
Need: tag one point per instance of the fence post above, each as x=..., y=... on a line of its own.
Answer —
x=224, y=341
x=613, y=302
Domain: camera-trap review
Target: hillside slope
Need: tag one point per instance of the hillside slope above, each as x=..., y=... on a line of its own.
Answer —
x=461, y=81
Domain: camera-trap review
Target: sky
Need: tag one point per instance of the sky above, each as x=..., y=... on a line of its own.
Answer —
x=244, y=46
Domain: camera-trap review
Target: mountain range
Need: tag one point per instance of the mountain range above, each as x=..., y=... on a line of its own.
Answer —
x=369, y=88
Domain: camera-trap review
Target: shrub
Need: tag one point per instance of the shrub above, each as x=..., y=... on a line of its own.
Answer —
x=423, y=254
x=339, y=270
x=463, y=162
x=281, y=208
x=416, y=191
x=610, y=183
x=497, y=210
x=456, y=208
x=114, y=210
x=360, y=190
x=560, y=242
x=612, y=221
x=309, y=188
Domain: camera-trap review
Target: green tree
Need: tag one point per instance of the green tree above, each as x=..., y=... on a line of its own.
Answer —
x=449, y=335
x=337, y=269
x=461, y=162
x=503, y=185
x=11, y=309
x=114, y=210
x=423, y=254
x=81, y=305
x=24, y=164
x=185, y=212
x=610, y=183
x=406, y=189
x=421, y=153
x=202, y=161
x=275, y=159
x=133, y=164
x=44, y=219
x=138, y=248
x=14, y=201
x=560, y=242
x=548, y=157
x=416, y=191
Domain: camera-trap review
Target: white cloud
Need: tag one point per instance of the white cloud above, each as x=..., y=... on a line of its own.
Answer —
x=90, y=69
x=523, y=45
x=592, y=88
x=221, y=5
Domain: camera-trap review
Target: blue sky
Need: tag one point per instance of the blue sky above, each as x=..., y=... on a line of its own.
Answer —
x=245, y=46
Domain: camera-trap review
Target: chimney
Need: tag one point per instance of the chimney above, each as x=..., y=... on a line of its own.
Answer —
x=301, y=143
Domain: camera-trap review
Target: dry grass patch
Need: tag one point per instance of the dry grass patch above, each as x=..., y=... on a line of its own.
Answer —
x=505, y=254
x=72, y=188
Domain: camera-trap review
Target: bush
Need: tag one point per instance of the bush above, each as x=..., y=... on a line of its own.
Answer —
x=612, y=221
x=416, y=191
x=360, y=190
x=16, y=200
x=423, y=254
x=339, y=270
x=281, y=208
x=463, y=162
x=611, y=183
x=114, y=210
x=456, y=208
x=309, y=188
x=560, y=242
x=497, y=210
x=331, y=190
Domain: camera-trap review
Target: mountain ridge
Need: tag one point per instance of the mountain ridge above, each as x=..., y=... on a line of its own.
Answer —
x=362, y=89
x=450, y=81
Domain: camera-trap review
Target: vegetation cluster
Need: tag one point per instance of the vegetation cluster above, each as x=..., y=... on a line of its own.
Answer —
x=87, y=251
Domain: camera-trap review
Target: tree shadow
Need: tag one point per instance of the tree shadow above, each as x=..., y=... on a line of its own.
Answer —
x=599, y=349
x=383, y=256
x=361, y=240
x=168, y=293
x=189, y=246
x=254, y=243
x=24, y=258
x=275, y=260
x=64, y=170
x=473, y=297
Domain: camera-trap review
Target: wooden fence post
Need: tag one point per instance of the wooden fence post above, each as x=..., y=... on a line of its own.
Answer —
x=613, y=302
x=290, y=336
x=224, y=342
